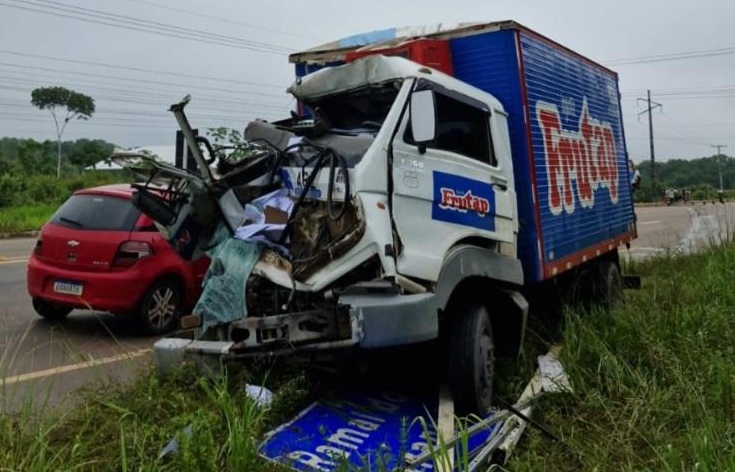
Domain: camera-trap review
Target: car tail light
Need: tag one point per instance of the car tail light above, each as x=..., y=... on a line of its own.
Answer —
x=39, y=243
x=130, y=252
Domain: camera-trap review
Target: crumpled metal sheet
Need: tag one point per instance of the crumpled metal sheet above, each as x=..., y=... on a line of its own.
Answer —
x=370, y=70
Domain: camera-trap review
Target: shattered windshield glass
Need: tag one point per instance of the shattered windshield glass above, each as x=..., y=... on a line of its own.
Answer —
x=361, y=110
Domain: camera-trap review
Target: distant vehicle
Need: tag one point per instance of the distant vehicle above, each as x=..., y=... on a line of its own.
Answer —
x=99, y=252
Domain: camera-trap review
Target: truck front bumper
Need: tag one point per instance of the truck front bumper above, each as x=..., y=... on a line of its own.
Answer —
x=365, y=319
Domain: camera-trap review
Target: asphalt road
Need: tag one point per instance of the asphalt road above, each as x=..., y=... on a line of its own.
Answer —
x=42, y=361
x=47, y=362
x=681, y=228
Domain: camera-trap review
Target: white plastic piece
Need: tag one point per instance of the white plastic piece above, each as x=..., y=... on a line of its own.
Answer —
x=553, y=376
x=169, y=354
x=260, y=395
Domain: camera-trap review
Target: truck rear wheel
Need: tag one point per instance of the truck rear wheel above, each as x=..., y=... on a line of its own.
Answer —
x=471, y=359
x=582, y=289
x=610, y=288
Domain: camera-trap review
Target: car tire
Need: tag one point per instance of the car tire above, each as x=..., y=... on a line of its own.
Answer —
x=160, y=308
x=471, y=359
x=50, y=311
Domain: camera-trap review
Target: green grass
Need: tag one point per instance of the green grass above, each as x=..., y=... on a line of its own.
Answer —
x=25, y=217
x=654, y=383
x=653, y=390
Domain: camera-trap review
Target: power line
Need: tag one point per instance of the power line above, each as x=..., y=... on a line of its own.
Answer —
x=119, y=21
x=132, y=125
x=138, y=69
x=682, y=129
x=143, y=114
x=217, y=18
x=158, y=98
x=51, y=4
x=672, y=57
x=131, y=79
x=150, y=26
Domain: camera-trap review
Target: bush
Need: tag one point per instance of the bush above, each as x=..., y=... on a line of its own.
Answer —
x=10, y=188
x=46, y=189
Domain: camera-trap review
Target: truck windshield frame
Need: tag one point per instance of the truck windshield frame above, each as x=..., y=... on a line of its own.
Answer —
x=361, y=110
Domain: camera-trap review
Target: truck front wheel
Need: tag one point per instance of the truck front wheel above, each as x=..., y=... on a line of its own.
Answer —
x=471, y=359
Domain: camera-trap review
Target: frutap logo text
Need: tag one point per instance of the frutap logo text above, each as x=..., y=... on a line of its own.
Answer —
x=577, y=162
x=451, y=200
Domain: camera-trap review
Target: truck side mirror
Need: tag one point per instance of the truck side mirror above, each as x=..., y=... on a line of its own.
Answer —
x=423, y=117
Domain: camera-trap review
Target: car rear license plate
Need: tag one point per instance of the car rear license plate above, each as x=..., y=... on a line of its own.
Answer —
x=69, y=288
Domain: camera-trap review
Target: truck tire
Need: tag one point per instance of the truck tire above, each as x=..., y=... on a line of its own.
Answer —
x=471, y=359
x=582, y=290
x=610, y=286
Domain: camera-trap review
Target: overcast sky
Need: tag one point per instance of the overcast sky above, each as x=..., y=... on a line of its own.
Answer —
x=134, y=75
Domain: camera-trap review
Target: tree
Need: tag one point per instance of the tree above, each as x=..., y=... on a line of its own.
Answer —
x=75, y=104
x=85, y=152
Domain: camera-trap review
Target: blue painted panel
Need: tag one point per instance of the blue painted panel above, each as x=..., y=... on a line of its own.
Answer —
x=361, y=430
x=489, y=62
x=303, y=68
x=578, y=149
x=463, y=201
x=579, y=161
x=367, y=38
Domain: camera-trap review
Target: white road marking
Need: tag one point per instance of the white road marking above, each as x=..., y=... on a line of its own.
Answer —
x=72, y=367
x=654, y=222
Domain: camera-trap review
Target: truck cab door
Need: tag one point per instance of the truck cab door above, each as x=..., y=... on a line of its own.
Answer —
x=449, y=185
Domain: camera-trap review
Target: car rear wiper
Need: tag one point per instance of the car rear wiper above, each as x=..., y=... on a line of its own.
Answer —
x=70, y=221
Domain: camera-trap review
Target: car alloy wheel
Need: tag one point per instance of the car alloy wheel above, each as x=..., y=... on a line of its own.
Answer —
x=159, y=311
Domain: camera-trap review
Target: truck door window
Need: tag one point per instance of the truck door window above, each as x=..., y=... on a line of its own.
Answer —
x=460, y=128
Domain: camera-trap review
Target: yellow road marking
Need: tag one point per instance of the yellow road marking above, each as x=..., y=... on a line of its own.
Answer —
x=13, y=260
x=72, y=367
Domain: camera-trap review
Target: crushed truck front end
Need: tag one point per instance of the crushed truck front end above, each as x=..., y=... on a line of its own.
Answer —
x=324, y=275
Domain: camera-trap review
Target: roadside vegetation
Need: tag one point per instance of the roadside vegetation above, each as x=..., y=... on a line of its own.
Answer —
x=654, y=385
x=653, y=390
x=27, y=203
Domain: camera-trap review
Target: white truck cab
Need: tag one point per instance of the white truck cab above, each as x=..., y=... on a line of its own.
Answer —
x=405, y=220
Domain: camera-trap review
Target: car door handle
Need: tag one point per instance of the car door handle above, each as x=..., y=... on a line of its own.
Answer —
x=502, y=184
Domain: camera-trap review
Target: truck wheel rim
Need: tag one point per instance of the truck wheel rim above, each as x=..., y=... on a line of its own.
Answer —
x=162, y=307
x=487, y=374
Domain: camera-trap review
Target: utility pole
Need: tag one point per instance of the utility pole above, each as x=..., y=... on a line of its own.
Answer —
x=719, y=147
x=651, y=106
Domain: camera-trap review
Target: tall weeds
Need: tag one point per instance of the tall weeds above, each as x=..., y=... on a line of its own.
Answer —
x=654, y=381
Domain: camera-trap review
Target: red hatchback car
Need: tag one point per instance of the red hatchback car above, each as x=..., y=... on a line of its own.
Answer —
x=99, y=252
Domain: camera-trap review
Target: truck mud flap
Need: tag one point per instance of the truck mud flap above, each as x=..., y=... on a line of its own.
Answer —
x=632, y=281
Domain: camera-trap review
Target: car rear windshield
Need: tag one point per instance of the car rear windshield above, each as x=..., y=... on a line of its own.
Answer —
x=96, y=212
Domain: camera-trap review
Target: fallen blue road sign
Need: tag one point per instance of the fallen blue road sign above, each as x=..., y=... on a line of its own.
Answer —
x=362, y=431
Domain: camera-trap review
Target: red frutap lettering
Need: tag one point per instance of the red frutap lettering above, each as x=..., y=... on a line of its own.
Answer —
x=586, y=157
